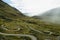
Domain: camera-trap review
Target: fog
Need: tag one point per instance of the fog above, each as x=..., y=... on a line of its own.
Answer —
x=52, y=16
x=33, y=7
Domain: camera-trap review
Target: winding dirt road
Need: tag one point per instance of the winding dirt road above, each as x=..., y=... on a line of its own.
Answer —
x=23, y=35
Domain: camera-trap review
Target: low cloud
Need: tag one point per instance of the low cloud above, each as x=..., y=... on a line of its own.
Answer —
x=34, y=7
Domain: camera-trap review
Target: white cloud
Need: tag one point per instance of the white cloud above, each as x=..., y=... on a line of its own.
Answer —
x=34, y=7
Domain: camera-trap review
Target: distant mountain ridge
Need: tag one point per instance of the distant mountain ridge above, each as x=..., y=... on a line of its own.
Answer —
x=52, y=16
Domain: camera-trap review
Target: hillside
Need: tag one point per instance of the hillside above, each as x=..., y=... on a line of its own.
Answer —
x=14, y=22
x=9, y=11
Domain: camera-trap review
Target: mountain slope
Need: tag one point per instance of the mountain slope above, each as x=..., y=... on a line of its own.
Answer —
x=7, y=11
x=11, y=20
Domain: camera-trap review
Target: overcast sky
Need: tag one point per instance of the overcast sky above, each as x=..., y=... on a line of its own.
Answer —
x=34, y=7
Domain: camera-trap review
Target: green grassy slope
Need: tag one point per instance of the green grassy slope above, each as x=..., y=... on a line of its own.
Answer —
x=12, y=18
x=8, y=11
